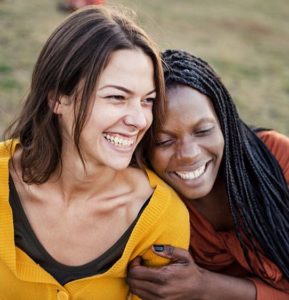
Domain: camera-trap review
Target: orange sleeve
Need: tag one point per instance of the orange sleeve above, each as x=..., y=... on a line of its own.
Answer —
x=266, y=292
x=278, y=144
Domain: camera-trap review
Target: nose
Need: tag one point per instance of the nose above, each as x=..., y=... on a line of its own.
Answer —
x=137, y=117
x=188, y=150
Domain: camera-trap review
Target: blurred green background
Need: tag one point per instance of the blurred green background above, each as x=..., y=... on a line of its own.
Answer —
x=246, y=41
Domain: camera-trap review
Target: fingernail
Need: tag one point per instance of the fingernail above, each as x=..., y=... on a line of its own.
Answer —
x=159, y=248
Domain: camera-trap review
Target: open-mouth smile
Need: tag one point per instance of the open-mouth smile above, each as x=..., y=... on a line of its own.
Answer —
x=122, y=142
x=192, y=175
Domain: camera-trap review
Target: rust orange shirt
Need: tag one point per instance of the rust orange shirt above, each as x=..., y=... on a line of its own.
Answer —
x=220, y=251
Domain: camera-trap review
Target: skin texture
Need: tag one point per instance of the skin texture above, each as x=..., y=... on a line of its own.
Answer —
x=190, y=140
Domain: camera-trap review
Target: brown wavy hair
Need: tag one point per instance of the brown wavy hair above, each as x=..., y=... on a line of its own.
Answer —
x=76, y=52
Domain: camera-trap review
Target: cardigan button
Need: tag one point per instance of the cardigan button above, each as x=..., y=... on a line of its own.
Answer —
x=61, y=295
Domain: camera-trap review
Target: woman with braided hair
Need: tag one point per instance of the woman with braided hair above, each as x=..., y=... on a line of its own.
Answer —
x=234, y=182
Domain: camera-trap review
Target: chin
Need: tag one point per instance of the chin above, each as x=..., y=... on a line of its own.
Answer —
x=120, y=166
x=194, y=194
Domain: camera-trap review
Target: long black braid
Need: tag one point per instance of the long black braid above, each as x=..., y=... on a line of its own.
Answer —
x=257, y=191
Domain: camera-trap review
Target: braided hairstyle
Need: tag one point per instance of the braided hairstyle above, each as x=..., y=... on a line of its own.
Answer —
x=257, y=191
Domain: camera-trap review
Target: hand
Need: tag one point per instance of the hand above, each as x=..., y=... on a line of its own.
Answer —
x=182, y=279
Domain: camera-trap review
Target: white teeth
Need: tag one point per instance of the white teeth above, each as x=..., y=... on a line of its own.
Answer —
x=118, y=141
x=192, y=175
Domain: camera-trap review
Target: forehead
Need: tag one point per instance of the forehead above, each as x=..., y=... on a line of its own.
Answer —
x=185, y=104
x=126, y=65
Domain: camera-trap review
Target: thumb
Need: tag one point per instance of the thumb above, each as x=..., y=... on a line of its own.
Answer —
x=176, y=255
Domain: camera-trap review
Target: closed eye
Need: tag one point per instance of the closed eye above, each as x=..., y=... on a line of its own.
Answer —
x=164, y=143
x=205, y=131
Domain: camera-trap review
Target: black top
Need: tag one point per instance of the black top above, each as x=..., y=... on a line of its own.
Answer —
x=26, y=240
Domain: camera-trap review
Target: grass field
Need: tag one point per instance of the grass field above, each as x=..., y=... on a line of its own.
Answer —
x=246, y=41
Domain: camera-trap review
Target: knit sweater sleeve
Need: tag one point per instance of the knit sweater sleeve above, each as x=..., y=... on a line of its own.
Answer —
x=173, y=228
x=165, y=221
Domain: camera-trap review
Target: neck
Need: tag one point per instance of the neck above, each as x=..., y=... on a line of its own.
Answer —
x=217, y=196
x=75, y=179
x=215, y=206
x=73, y=182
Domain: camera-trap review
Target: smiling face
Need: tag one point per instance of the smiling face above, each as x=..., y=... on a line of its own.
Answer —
x=121, y=112
x=190, y=145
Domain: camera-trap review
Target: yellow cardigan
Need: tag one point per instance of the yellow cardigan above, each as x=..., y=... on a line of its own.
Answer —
x=165, y=220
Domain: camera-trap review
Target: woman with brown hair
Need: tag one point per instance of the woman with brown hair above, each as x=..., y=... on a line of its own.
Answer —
x=74, y=207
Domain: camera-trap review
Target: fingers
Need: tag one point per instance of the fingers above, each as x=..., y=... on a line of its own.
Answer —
x=144, y=273
x=145, y=290
x=173, y=281
x=176, y=255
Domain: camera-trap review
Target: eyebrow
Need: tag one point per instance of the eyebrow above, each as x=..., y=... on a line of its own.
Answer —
x=123, y=89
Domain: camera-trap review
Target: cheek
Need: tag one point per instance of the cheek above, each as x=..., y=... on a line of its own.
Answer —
x=215, y=144
x=221, y=145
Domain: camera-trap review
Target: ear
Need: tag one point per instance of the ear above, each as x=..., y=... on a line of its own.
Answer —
x=54, y=103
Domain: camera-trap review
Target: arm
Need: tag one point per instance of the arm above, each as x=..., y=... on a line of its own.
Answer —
x=183, y=279
x=172, y=226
